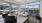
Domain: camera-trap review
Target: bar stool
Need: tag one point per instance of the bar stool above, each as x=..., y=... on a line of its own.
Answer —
x=10, y=19
x=4, y=15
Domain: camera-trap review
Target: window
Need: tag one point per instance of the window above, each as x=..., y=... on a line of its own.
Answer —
x=14, y=7
x=26, y=10
x=31, y=6
x=30, y=11
x=34, y=3
x=36, y=6
x=36, y=11
x=26, y=5
x=23, y=6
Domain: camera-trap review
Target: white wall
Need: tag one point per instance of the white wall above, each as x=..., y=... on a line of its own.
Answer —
x=41, y=8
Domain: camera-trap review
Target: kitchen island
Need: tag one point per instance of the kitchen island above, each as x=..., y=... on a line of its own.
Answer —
x=20, y=19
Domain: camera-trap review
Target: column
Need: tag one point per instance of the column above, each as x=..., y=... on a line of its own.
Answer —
x=41, y=10
x=10, y=8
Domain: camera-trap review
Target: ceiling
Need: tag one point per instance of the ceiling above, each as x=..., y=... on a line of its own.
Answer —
x=22, y=1
x=26, y=1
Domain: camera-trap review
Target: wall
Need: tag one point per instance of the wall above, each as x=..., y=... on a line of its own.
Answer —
x=40, y=8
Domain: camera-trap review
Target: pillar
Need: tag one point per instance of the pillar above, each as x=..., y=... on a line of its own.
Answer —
x=41, y=10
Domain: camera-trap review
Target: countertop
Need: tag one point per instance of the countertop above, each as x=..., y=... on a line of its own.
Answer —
x=20, y=19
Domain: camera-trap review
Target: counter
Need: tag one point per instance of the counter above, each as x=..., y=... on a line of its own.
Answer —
x=1, y=19
x=20, y=19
